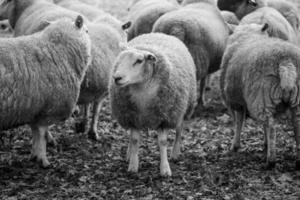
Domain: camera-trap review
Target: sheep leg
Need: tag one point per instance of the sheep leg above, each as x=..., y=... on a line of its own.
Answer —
x=271, y=140
x=296, y=124
x=177, y=143
x=201, y=99
x=163, y=144
x=39, y=145
x=50, y=139
x=239, y=118
x=134, y=151
x=81, y=126
x=128, y=151
x=93, y=132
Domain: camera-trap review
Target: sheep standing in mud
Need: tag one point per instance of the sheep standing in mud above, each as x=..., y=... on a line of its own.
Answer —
x=203, y=30
x=40, y=78
x=243, y=7
x=261, y=76
x=145, y=13
x=153, y=87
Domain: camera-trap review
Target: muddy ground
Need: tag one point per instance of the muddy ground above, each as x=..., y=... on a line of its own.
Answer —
x=84, y=169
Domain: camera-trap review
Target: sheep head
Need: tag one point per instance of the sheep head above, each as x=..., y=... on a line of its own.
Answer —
x=133, y=66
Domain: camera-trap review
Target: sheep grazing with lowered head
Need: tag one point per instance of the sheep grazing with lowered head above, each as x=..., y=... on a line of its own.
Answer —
x=145, y=13
x=261, y=77
x=243, y=7
x=278, y=25
x=91, y=12
x=40, y=78
x=153, y=87
x=105, y=48
x=203, y=30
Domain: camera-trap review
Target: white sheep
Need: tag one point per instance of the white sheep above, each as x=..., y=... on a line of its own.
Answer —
x=261, y=77
x=153, y=87
x=40, y=78
x=203, y=30
x=144, y=14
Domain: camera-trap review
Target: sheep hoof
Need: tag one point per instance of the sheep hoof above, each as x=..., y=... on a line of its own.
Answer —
x=234, y=148
x=93, y=135
x=133, y=169
x=43, y=162
x=165, y=171
x=80, y=127
x=298, y=165
x=175, y=155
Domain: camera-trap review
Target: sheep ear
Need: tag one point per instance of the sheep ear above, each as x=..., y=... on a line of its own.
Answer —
x=265, y=27
x=79, y=22
x=231, y=28
x=150, y=57
x=252, y=2
x=126, y=25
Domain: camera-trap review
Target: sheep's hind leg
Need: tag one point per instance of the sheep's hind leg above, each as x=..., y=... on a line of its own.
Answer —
x=296, y=124
x=81, y=126
x=163, y=144
x=50, y=139
x=271, y=140
x=201, y=99
x=177, y=143
x=239, y=118
x=134, y=151
x=39, y=145
x=93, y=131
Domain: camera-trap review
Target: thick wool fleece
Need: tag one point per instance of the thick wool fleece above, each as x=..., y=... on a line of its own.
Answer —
x=176, y=94
x=256, y=69
x=41, y=74
x=202, y=29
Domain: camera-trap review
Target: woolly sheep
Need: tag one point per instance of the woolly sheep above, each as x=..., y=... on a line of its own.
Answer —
x=244, y=7
x=91, y=12
x=40, y=78
x=145, y=13
x=261, y=76
x=203, y=30
x=133, y=2
x=153, y=87
x=278, y=25
x=30, y=16
x=105, y=48
x=186, y=2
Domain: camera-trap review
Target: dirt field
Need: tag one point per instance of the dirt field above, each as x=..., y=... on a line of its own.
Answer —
x=83, y=169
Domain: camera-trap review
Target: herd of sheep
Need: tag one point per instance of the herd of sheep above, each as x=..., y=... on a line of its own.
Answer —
x=65, y=54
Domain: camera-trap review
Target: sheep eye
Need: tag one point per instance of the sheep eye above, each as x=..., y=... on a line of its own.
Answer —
x=138, y=61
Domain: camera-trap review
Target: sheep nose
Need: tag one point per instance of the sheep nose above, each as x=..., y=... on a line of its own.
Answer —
x=117, y=80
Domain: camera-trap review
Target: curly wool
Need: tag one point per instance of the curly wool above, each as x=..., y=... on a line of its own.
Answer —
x=202, y=29
x=255, y=70
x=41, y=74
x=176, y=93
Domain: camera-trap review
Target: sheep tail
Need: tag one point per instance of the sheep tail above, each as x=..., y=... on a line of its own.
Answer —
x=288, y=75
x=178, y=32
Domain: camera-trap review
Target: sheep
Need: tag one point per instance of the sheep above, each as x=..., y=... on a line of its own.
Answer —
x=40, y=78
x=133, y=2
x=89, y=11
x=186, y=2
x=30, y=16
x=145, y=13
x=153, y=87
x=278, y=25
x=105, y=48
x=230, y=17
x=243, y=7
x=203, y=30
x=261, y=77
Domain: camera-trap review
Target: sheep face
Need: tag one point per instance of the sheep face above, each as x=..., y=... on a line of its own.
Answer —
x=240, y=7
x=133, y=67
x=6, y=7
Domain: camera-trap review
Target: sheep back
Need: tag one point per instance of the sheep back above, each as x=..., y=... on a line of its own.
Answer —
x=176, y=95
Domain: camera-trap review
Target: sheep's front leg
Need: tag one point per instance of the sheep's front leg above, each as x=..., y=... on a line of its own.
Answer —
x=81, y=126
x=296, y=124
x=163, y=145
x=239, y=118
x=39, y=144
x=134, y=151
x=93, y=132
x=177, y=143
x=271, y=140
